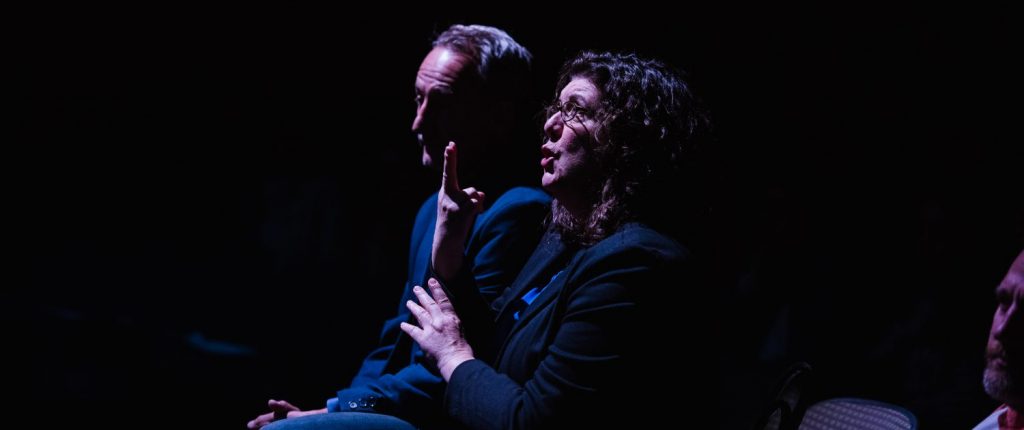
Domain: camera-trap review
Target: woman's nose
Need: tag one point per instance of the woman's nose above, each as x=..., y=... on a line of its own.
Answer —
x=553, y=126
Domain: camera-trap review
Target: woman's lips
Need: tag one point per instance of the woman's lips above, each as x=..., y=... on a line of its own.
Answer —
x=546, y=161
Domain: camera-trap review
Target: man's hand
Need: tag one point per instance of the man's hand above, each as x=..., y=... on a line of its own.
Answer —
x=456, y=210
x=279, y=410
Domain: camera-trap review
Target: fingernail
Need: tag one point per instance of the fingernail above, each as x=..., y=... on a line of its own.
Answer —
x=417, y=288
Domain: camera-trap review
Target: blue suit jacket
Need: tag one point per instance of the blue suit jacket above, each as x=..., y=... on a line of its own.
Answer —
x=395, y=378
x=579, y=355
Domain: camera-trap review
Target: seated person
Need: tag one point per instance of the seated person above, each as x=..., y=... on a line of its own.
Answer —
x=469, y=89
x=1004, y=373
x=568, y=349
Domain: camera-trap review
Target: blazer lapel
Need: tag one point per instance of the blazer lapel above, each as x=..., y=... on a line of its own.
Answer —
x=543, y=262
x=552, y=287
x=549, y=258
x=547, y=254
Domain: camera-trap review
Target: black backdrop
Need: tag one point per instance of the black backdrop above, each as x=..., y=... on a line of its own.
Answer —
x=212, y=205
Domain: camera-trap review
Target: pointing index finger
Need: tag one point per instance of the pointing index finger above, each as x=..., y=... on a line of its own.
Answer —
x=450, y=176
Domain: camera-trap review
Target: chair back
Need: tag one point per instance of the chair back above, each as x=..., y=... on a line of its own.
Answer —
x=787, y=407
x=857, y=414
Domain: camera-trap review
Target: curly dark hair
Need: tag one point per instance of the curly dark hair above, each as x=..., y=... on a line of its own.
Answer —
x=650, y=127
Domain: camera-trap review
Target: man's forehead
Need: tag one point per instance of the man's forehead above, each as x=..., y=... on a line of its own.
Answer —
x=443, y=65
x=1014, y=279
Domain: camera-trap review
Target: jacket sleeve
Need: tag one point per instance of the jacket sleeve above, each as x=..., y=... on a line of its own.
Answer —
x=502, y=239
x=374, y=387
x=501, y=244
x=589, y=355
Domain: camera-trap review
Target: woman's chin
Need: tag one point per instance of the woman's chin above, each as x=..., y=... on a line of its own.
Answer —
x=548, y=181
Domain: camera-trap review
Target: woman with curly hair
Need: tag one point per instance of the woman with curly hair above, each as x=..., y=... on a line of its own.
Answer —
x=567, y=349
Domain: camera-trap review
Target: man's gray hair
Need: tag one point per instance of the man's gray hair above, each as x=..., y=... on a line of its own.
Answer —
x=502, y=63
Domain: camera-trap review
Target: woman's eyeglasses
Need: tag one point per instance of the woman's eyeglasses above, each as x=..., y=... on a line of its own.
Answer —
x=570, y=110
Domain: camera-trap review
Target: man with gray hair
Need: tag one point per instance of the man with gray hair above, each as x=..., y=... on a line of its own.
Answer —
x=1004, y=372
x=470, y=90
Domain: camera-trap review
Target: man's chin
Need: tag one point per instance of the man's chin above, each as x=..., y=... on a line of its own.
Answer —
x=1001, y=385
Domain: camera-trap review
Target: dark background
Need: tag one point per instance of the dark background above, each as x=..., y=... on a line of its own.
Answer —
x=212, y=206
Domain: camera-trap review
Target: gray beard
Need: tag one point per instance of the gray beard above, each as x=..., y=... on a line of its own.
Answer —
x=1002, y=387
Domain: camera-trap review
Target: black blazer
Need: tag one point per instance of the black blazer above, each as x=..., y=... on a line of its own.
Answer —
x=576, y=356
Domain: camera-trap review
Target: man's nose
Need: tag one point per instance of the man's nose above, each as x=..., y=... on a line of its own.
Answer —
x=420, y=118
x=1010, y=326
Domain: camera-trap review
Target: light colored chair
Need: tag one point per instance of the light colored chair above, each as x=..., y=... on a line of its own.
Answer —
x=857, y=414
